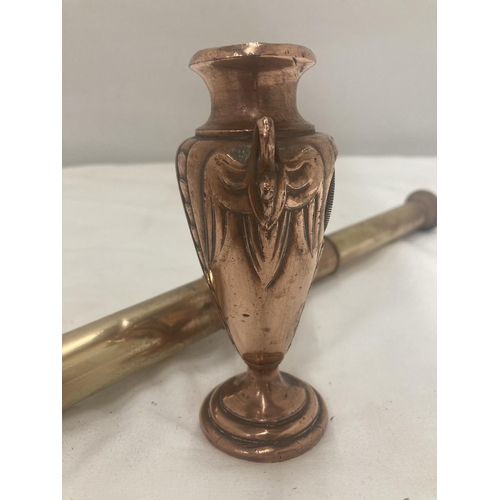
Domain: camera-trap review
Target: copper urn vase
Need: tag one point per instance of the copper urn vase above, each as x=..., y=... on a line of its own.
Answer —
x=257, y=183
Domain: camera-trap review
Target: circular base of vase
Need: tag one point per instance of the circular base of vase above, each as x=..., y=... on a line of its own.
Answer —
x=274, y=438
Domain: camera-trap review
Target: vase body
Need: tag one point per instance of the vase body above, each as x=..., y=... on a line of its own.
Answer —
x=256, y=182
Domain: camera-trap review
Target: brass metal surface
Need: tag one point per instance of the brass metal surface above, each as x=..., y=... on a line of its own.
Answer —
x=105, y=351
x=418, y=212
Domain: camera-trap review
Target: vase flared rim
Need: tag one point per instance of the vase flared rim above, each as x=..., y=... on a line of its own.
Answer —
x=292, y=52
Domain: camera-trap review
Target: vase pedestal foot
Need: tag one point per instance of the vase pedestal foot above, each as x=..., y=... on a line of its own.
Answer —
x=264, y=416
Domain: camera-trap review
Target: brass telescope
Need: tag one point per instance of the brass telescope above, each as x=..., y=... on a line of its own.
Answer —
x=105, y=351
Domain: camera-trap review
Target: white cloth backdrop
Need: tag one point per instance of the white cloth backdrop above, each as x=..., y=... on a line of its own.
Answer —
x=366, y=341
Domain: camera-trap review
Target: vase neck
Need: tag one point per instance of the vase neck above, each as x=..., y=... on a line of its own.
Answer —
x=244, y=89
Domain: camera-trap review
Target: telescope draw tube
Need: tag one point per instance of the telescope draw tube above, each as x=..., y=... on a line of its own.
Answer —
x=105, y=351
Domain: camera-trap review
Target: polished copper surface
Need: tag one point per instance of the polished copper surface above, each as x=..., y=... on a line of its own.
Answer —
x=282, y=418
x=249, y=81
x=105, y=351
x=255, y=181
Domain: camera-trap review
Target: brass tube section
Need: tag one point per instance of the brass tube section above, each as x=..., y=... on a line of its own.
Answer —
x=99, y=354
